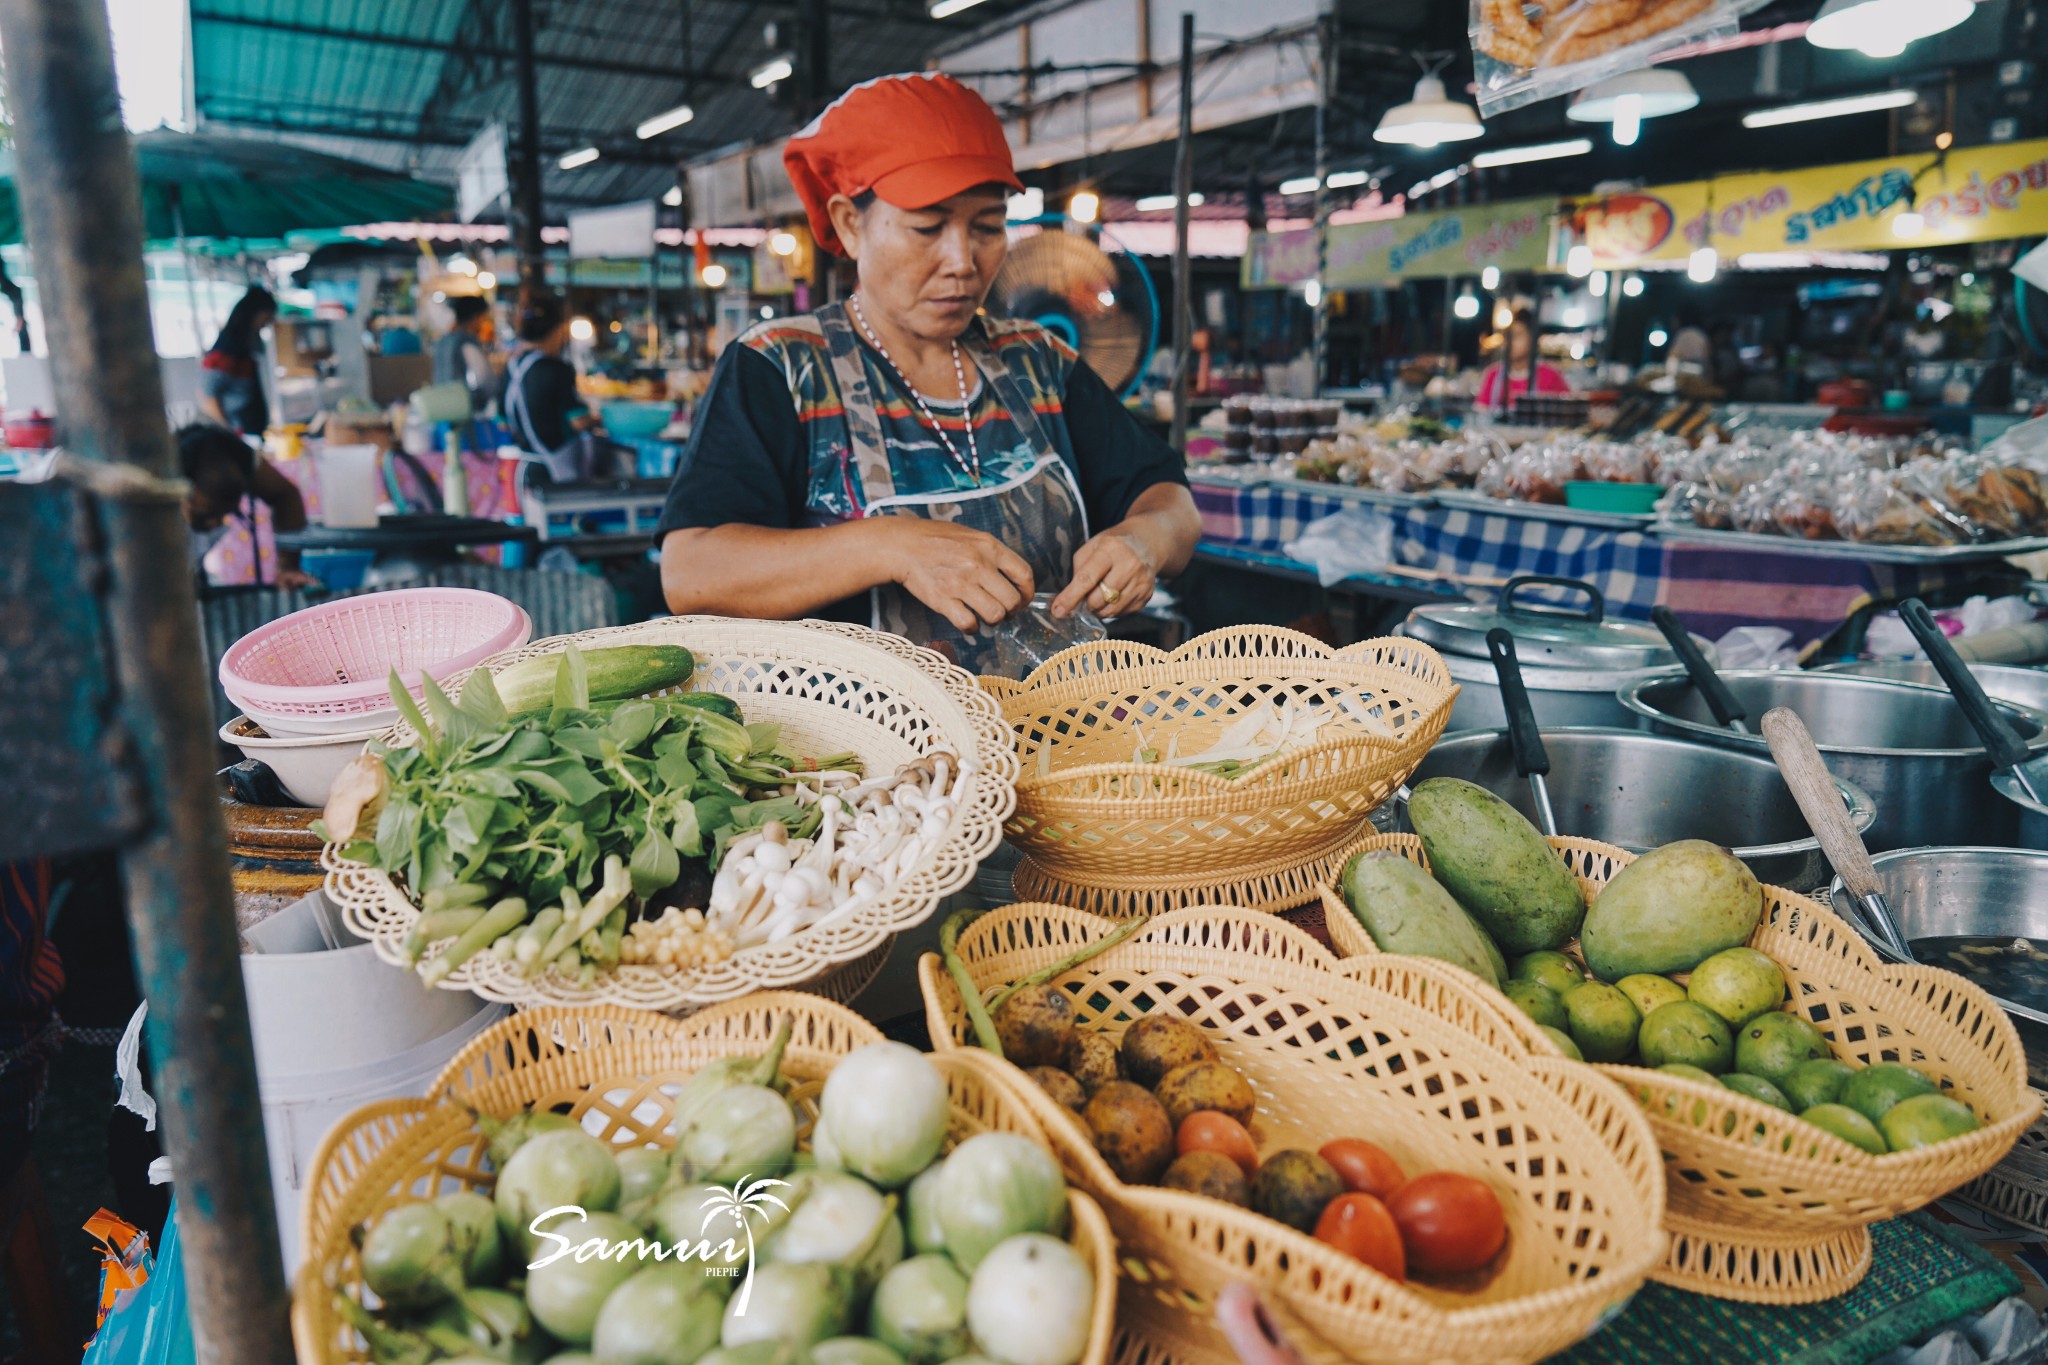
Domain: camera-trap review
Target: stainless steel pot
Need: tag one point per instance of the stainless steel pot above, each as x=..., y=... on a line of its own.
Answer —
x=1640, y=790
x=1910, y=747
x=2020, y=686
x=1572, y=659
x=1996, y=893
x=2033, y=816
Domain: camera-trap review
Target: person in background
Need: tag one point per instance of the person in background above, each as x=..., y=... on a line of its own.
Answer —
x=224, y=474
x=1521, y=344
x=540, y=403
x=230, y=387
x=463, y=355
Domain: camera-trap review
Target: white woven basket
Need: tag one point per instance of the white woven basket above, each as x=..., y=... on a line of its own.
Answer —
x=831, y=687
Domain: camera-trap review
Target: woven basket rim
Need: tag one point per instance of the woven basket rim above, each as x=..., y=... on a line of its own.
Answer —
x=1315, y=979
x=376, y=908
x=1830, y=1154
x=447, y=1105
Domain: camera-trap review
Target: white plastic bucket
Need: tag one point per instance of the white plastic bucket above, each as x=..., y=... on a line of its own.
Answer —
x=336, y=1029
x=348, y=485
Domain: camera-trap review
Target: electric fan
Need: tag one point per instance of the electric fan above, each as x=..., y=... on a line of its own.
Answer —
x=1100, y=302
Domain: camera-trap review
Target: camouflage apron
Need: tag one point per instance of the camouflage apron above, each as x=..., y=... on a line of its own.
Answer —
x=1038, y=514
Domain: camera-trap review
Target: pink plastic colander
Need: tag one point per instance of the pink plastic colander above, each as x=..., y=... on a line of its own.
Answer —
x=334, y=660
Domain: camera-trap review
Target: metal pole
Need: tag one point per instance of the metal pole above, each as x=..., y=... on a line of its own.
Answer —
x=1183, y=185
x=532, y=256
x=1320, y=343
x=82, y=205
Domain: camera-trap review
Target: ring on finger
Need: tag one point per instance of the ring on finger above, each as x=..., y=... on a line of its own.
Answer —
x=1110, y=596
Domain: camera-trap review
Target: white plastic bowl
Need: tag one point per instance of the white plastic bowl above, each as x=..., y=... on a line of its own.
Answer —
x=306, y=765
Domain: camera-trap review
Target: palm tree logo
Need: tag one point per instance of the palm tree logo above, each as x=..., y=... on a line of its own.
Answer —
x=738, y=1203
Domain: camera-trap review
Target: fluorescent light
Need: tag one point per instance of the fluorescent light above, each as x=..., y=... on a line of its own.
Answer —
x=1305, y=185
x=1578, y=262
x=1489, y=278
x=768, y=73
x=713, y=275
x=582, y=156
x=1543, y=151
x=664, y=122
x=1085, y=206
x=1430, y=119
x=782, y=243
x=1628, y=120
x=1152, y=203
x=674, y=197
x=1883, y=28
x=1418, y=190
x=1633, y=286
x=1658, y=336
x=1598, y=284
x=582, y=329
x=1704, y=265
x=1344, y=180
x=1820, y=109
x=946, y=9
x=1443, y=179
x=1467, y=306
x=1025, y=205
x=1312, y=293
x=1575, y=316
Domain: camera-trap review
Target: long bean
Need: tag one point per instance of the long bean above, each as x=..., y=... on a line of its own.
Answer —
x=1066, y=964
x=970, y=994
x=501, y=918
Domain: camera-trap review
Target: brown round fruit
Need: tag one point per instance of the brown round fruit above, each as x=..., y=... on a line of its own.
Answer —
x=1451, y=1224
x=1205, y=1130
x=1206, y=1085
x=1209, y=1173
x=1158, y=1043
x=1294, y=1187
x=1035, y=1025
x=1131, y=1131
x=1092, y=1060
x=1063, y=1088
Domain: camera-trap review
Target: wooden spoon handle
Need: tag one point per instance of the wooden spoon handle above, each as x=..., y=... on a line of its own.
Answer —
x=1819, y=799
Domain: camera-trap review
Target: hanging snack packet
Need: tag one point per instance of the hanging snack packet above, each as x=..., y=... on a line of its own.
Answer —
x=1523, y=53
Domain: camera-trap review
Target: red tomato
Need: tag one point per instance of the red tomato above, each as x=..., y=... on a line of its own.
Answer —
x=1207, y=1130
x=1363, y=1167
x=1450, y=1223
x=1360, y=1226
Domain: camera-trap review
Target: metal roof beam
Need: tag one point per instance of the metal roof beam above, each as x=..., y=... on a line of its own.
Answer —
x=606, y=65
x=373, y=131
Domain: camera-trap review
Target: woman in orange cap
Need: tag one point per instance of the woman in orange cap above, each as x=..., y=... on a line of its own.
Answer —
x=900, y=458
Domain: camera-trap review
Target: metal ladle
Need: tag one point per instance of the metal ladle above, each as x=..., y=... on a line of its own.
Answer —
x=1806, y=773
x=2008, y=751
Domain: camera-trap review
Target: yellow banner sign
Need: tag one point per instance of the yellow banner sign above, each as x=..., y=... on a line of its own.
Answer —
x=1981, y=194
x=1513, y=236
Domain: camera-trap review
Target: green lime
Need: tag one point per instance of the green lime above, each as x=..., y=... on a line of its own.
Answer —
x=1872, y=1091
x=1538, y=1001
x=1554, y=970
x=1684, y=1032
x=1772, y=1044
x=1848, y=1125
x=1564, y=1043
x=1738, y=984
x=1816, y=1082
x=1924, y=1120
x=1757, y=1088
x=1647, y=992
x=1603, y=1022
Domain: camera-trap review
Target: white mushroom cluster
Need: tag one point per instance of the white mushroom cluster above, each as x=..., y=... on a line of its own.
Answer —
x=871, y=834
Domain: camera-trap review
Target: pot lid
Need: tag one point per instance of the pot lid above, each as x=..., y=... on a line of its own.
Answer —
x=1545, y=636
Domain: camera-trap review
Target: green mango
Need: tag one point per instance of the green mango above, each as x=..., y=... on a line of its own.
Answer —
x=1497, y=864
x=1406, y=911
x=1670, y=910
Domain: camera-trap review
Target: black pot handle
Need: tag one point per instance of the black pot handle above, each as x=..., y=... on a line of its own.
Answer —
x=1720, y=700
x=1594, y=613
x=1530, y=755
x=2007, y=749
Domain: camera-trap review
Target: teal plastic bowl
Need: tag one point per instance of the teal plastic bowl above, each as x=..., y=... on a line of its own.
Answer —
x=1590, y=495
x=630, y=421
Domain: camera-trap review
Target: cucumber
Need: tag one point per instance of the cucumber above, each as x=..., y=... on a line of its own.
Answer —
x=614, y=674
x=1405, y=911
x=1497, y=864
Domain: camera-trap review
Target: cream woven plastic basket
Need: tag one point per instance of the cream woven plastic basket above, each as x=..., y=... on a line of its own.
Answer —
x=618, y=1072
x=1780, y=1214
x=1410, y=1057
x=831, y=688
x=1087, y=813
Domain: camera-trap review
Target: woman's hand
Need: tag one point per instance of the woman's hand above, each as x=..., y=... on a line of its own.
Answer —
x=1113, y=574
x=967, y=576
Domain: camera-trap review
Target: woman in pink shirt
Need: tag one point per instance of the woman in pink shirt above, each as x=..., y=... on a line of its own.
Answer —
x=1520, y=345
